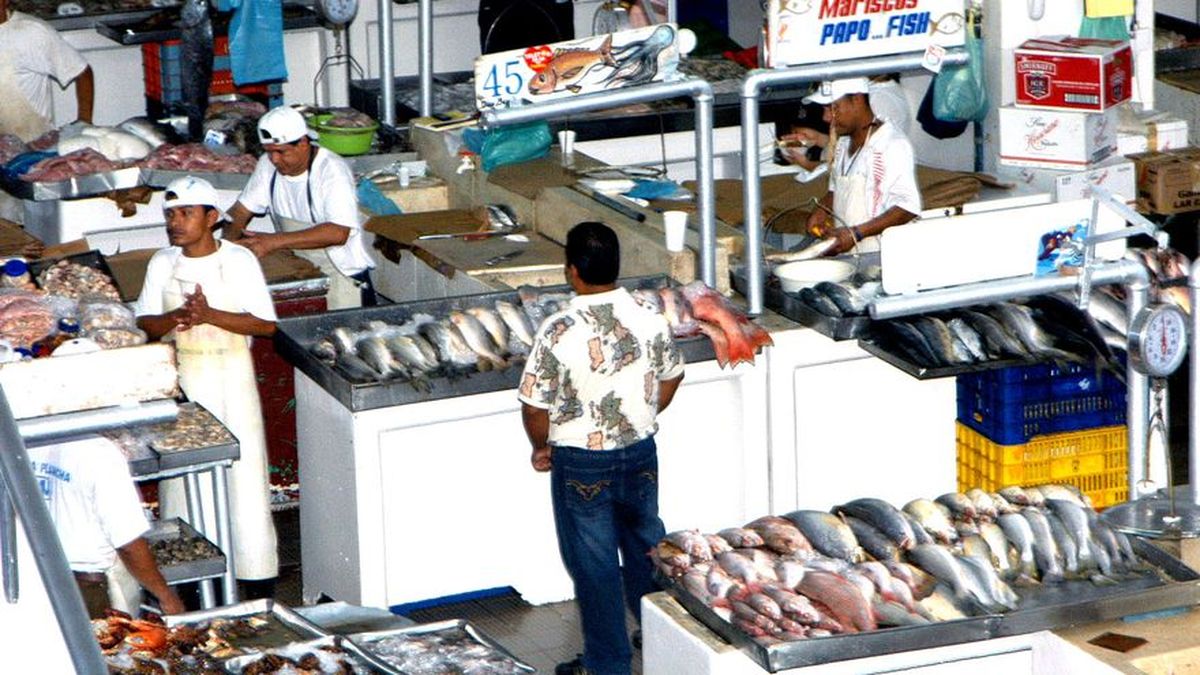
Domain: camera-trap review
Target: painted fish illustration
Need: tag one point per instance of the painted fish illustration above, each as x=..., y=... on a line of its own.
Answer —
x=637, y=62
x=568, y=66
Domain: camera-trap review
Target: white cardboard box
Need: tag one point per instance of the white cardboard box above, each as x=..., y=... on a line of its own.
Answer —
x=1055, y=139
x=1159, y=132
x=1118, y=176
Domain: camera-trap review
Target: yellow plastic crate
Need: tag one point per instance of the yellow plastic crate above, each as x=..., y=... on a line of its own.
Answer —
x=1093, y=460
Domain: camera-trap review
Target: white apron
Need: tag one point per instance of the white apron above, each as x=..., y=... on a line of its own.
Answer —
x=850, y=200
x=17, y=117
x=215, y=370
x=344, y=292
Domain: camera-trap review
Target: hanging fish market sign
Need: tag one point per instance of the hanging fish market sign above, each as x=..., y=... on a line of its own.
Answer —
x=810, y=31
x=587, y=65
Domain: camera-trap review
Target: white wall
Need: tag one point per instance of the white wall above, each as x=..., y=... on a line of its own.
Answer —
x=1184, y=9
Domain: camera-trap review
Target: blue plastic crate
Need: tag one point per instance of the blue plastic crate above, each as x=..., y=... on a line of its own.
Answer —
x=1012, y=405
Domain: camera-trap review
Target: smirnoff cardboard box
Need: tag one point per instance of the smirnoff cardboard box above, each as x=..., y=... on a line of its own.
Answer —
x=1073, y=73
x=812, y=31
x=1117, y=175
x=1055, y=139
x=1168, y=182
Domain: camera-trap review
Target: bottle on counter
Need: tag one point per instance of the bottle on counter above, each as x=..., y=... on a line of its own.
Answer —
x=68, y=329
x=15, y=274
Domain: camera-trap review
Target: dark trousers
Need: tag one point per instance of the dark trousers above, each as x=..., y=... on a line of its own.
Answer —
x=93, y=586
x=366, y=288
x=605, y=502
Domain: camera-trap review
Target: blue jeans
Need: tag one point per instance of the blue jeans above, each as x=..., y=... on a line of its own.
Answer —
x=605, y=502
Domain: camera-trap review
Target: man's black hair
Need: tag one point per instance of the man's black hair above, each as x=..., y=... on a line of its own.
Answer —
x=593, y=249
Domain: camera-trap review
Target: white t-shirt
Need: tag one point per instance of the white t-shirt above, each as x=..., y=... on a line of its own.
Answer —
x=232, y=267
x=38, y=53
x=889, y=103
x=92, y=500
x=886, y=161
x=333, y=201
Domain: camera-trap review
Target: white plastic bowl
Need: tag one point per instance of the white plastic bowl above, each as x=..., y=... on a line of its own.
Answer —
x=795, y=276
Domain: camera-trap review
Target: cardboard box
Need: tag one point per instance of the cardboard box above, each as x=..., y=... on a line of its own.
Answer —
x=1157, y=132
x=832, y=30
x=1169, y=182
x=1055, y=139
x=1118, y=176
x=1071, y=73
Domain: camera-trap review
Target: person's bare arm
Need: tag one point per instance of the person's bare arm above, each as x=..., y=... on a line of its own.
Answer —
x=666, y=392
x=158, y=325
x=318, y=236
x=85, y=95
x=848, y=236
x=537, y=428
x=139, y=560
x=239, y=217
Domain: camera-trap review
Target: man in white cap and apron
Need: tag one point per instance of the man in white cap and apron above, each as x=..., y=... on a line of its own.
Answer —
x=210, y=297
x=872, y=182
x=309, y=192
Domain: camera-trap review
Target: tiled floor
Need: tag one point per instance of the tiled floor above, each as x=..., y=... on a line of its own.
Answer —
x=541, y=636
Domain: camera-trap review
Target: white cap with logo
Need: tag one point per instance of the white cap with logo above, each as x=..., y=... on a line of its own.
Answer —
x=191, y=191
x=283, y=125
x=831, y=90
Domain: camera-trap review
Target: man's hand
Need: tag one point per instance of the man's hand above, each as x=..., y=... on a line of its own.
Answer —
x=540, y=459
x=845, y=241
x=260, y=244
x=818, y=222
x=197, y=307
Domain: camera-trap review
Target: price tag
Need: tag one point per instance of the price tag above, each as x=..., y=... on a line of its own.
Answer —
x=934, y=56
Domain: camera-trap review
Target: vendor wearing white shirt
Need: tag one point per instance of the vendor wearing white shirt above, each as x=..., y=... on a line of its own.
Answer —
x=210, y=298
x=309, y=192
x=98, y=517
x=873, y=184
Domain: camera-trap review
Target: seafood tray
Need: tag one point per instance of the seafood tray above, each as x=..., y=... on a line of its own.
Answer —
x=341, y=618
x=789, y=305
x=447, y=629
x=283, y=625
x=185, y=570
x=91, y=259
x=296, y=336
x=194, y=437
x=1172, y=585
x=220, y=181
x=362, y=663
x=924, y=373
x=87, y=185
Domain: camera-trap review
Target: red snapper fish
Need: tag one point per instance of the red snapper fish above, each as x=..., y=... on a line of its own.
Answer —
x=742, y=336
x=568, y=66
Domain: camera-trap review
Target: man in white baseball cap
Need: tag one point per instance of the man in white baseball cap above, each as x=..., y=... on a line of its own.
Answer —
x=309, y=193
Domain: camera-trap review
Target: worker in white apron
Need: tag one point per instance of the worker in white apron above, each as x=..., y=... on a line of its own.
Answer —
x=210, y=297
x=309, y=192
x=32, y=53
x=872, y=181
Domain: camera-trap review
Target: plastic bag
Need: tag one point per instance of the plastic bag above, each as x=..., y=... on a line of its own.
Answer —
x=515, y=144
x=959, y=92
x=930, y=123
x=255, y=40
x=98, y=315
x=372, y=198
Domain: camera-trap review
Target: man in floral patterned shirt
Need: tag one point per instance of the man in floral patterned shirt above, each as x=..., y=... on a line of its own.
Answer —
x=599, y=373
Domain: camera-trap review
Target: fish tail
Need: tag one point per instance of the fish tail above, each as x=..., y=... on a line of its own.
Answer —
x=606, y=55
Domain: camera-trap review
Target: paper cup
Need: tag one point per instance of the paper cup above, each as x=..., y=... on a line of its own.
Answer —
x=566, y=141
x=675, y=224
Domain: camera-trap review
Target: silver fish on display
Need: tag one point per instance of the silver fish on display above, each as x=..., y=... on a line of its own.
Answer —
x=886, y=518
x=1002, y=555
x=998, y=341
x=492, y=323
x=985, y=506
x=450, y=345
x=1075, y=521
x=874, y=542
x=324, y=349
x=933, y=518
x=376, y=354
x=848, y=301
x=1018, y=319
x=407, y=351
x=944, y=565
x=356, y=369
x=477, y=338
x=343, y=339
x=828, y=534
x=1045, y=551
x=1066, y=545
x=820, y=302
x=968, y=337
x=1020, y=534
x=517, y=322
x=941, y=340
x=961, y=508
x=998, y=592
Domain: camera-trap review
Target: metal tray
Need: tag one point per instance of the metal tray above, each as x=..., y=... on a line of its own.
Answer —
x=289, y=626
x=191, y=570
x=297, y=334
x=221, y=181
x=364, y=640
x=923, y=373
x=341, y=618
x=362, y=662
x=1071, y=603
x=789, y=306
x=91, y=259
x=175, y=458
x=87, y=185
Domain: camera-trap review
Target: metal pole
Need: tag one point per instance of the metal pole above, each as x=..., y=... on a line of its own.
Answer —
x=42, y=430
x=195, y=511
x=752, y=86
x=387, y=68
x=425, y=60
x=220, y=481
x=8, y=547
x=1137, y=401
x=701, y=93
x=47, y=551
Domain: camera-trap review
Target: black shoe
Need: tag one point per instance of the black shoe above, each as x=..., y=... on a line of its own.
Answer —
x=573, y=667
x=636, y=639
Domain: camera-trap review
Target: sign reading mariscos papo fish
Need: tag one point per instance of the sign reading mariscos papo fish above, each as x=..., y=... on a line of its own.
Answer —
x=811, y=31
x=587, y=65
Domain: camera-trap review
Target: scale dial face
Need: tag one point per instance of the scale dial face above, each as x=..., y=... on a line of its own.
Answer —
x=1158, y=340
x=338, y=12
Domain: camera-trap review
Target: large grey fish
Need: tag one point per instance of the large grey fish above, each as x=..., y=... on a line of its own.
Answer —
x=1018, y=319
x=517, y=322
x=375, y=352
x=1064, y=492
x=492, y=323
x=324, y=349
x=1075, y=520
x=874, y=542
x=886, y=518
x=451, y=347
x=477, y=339
x=1020, y=496
x=961, y=507
x=1107, y=310
x=933, y=518
x=343, y=339
x=974, y=546
x=408, y=352
x=941, y=605
x=985, y=506
x=889, y=613
x=828, y=534
x=1073, y=329
x=847, y=300
x=1002, y=504
x=820, y=302
x=740, y=537
x=1066, y=545
x=196, y=57
x=948, y=568
x=939, y=337
x=1020, y=534
x=1045, y=551
x=357, y=369
x=998, y=591
x=903, y=337
x=969, y=337
x=918, y=581
x=1004, y=563
x=1107, y=549
x=538, y=304
x=996, y=338
x=920, y=536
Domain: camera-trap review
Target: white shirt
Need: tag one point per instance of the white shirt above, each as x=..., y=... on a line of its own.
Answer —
x=596, y=367
x=886, y=163
x=232, y=266
x=92, y=500
x=38, y=53
x=334, y=200
x=889, y=103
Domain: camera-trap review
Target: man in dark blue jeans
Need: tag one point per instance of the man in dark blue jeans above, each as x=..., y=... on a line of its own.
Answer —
x=599, y=373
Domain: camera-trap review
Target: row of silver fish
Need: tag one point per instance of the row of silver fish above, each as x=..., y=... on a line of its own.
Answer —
x=867, y=564
x=840, y=300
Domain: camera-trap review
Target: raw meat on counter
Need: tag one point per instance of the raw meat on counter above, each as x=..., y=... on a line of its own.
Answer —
x=695, y=308
x=77, y=163
x=197, y=157
x=72, y=280
x=869, y=565
x=450, y=650
x=349, y=118
x=25, y=317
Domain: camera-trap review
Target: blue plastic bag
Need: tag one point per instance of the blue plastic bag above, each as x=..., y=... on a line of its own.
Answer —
x=959, y=92
x=255, y=40
x=515, y=144
x=372, y=199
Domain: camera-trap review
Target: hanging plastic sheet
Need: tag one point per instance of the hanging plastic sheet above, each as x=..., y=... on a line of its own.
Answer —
x=255, y=40
x=959, y=92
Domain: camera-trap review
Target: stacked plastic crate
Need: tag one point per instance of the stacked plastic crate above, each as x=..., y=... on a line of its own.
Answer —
x=161, y=66
x=1041, y=424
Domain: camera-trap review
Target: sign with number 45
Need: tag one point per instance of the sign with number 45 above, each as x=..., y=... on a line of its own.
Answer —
x=587, y=65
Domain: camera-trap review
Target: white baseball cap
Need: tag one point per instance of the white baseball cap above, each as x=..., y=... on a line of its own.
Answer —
x=831, y=90
x=283, y=125
x=191, y=191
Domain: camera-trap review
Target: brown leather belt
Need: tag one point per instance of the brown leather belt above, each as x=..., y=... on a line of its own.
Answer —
x=91, y=577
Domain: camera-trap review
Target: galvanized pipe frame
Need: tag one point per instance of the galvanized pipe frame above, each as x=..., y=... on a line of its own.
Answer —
x=1194, y=386
x=425, y=55
x=701, y=93
x=387, y=68
x=1132, y=275
x=752, y=86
